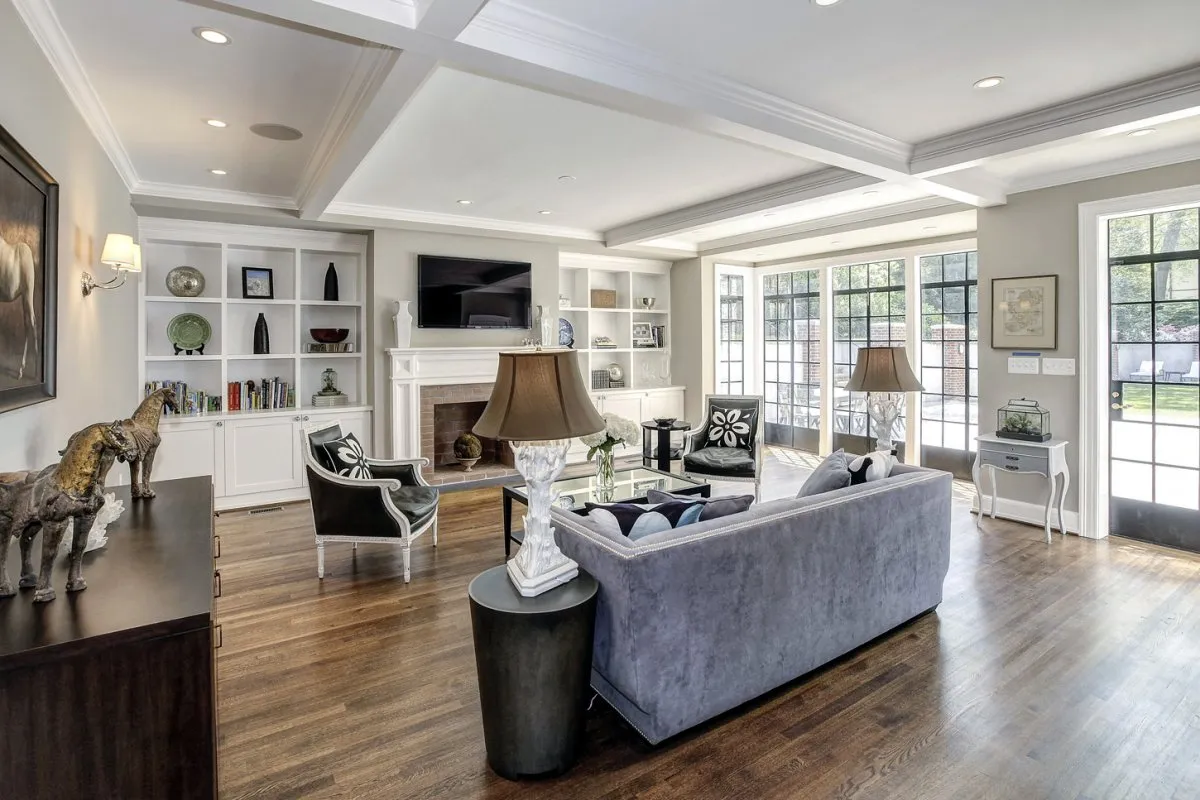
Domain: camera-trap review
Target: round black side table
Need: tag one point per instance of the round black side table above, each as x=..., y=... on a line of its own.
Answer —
x=662, y=455
x=534, y=660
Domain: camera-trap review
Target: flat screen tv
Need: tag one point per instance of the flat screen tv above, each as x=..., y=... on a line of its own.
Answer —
x=473, y=293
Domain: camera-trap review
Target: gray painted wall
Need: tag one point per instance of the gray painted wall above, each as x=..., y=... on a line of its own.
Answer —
x=1037, y=233
x=97, y=335
x=692, y=332
x=394, y=277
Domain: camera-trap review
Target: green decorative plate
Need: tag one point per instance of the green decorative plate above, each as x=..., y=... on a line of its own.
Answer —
x=189, y=331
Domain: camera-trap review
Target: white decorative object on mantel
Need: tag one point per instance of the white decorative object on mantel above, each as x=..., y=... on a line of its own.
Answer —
x=403, y=322
x=108, y=514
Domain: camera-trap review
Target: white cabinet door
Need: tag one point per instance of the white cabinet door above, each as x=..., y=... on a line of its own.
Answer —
x=262, y=455
x=664, y=403
x=189, y=450
x=628, y=406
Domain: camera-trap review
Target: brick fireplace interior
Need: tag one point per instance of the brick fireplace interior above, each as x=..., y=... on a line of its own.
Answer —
x=446, y=413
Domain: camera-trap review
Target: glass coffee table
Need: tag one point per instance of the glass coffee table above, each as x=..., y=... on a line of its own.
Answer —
x=631, y=486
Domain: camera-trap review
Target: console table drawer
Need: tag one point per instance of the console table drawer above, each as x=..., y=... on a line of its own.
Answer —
x=1015, y=462
x=1018, y=448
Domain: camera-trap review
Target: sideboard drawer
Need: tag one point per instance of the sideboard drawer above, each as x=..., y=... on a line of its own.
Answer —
x=1018, y=448
x=1015, y=462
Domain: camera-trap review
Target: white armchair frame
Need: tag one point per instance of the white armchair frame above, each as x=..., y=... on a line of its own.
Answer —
x=407, y=533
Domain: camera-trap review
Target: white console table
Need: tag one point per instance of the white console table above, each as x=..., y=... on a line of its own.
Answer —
x=1048, y=459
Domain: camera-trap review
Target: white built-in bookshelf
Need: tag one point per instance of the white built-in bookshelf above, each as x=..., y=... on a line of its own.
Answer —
x=631, y=279
x=298, y=260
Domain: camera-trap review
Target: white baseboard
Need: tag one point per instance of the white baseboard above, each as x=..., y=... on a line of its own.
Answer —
x=1032, y=514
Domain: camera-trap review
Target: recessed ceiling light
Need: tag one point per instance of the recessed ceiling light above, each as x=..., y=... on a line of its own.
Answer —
x=463, y=202
x=211, y=35
x=989, y=82
x=1143, y=132
x=218, y=172
x=566, y=178
x=824, y=2
x=273, y=130
x=544, y=212
x=871, y=193
x=216, y=123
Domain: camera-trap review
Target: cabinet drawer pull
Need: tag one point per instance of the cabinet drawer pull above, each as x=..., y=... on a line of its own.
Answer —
x=220, y=424
x=1012, y=467
x=216, y=583
x=216, y=546
x=296, y=419
x=220, y=640
x=306, y=417
x=1013, y=458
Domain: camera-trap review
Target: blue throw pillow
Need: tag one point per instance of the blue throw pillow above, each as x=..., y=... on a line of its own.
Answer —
x=714, y=507
x=635, y=521
x=832, y=473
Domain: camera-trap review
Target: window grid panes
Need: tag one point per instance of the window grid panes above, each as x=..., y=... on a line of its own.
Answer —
x=731, y=348
x=950, y=350
x=868, y=310
x=792, y=351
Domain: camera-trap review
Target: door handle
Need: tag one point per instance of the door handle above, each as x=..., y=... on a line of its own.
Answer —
x=1116, y=406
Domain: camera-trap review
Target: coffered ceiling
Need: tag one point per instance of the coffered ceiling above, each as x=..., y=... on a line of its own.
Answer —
x=686, y=125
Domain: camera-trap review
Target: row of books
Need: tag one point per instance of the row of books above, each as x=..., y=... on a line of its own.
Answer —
x=658, y=338
x=268, y=393
x=187, y=401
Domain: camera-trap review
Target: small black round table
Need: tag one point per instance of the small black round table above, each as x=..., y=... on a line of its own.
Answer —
x=663, y=454
x=534, y=660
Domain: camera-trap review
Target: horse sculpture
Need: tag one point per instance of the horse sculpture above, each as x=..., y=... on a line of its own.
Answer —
x=17, y=283
x=47, y=500
x=143, y=426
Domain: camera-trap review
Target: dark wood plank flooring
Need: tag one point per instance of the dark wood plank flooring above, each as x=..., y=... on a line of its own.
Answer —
x=1063, y=671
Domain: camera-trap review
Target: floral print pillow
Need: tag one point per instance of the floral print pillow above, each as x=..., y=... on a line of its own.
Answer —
x=731, y=427
x=347, y=457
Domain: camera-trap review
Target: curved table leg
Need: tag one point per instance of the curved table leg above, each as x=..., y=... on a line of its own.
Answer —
x=1052, y=478
x=975, y=476
x=1066, y=484
x=992, y=471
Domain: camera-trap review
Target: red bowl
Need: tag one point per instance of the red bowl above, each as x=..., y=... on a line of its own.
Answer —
x=329, y=335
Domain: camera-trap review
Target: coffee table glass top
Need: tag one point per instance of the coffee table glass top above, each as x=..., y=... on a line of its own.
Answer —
x=629, y=484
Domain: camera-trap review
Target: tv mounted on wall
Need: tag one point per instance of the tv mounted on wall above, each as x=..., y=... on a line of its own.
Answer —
x=473, y=293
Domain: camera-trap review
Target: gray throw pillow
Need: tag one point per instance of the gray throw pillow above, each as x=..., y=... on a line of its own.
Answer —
x=832, y=473
x=714, y=507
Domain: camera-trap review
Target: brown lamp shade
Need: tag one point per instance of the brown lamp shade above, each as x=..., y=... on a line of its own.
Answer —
x=883, y=369
x=538, y=396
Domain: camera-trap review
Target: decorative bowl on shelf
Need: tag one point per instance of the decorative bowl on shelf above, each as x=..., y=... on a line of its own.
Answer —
x=189, y=333
x=329, y=335
x=647, y=302
x=664, y=422
x=185, y=281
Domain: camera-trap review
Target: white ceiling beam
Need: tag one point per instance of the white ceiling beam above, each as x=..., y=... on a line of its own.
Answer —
x=821, y=183
x=1134, y=105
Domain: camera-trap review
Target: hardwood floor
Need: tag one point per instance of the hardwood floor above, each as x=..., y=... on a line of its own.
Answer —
x=1069, y=670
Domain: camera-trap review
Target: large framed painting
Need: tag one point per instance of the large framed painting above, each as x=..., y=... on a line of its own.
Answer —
x=1025, y=313
x=28, y=278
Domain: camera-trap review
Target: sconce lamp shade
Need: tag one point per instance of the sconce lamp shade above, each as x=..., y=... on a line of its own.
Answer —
x=119, y=252
x=137, y=259
x=539, y=396
x=883, y=369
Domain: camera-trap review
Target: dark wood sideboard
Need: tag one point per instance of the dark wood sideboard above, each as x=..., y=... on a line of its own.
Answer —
x=110, y=693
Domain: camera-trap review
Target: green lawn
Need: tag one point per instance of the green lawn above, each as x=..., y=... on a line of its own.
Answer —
x=1176, y=404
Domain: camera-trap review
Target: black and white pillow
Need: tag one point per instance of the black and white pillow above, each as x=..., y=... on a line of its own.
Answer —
x=714, y=507
x=731, y=426
x=634, y=520
x=346, y=455
x=873, y=467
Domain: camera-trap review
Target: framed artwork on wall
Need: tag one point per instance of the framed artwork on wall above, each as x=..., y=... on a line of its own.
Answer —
x=28, y=278
x=1025, y=313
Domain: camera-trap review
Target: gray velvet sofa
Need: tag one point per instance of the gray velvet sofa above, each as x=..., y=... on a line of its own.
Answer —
x=694, y=622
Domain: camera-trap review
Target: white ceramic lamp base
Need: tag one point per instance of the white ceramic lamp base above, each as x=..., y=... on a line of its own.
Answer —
x=539, y=565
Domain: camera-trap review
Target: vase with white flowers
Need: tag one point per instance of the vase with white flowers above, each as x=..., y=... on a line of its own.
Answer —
x=617, y=430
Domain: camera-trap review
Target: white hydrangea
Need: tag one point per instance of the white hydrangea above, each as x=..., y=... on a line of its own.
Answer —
x=617, y=430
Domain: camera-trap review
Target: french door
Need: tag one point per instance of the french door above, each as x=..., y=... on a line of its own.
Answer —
x=792, y=359
x=1154, y=372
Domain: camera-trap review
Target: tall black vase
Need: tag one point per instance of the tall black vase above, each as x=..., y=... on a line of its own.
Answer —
x=262, y=339
x=331, y=286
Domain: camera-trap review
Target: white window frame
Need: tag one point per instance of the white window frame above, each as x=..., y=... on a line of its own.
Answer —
x=751, y=336
x=1094, y=343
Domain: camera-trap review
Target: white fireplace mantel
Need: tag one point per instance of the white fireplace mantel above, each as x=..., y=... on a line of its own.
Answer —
x=414, y=367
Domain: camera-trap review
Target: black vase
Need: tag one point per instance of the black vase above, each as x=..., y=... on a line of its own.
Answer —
x=331, y=287
x=262, y=339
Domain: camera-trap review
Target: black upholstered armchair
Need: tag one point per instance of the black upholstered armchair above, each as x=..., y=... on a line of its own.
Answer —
x=394, y=506
x=728, y=444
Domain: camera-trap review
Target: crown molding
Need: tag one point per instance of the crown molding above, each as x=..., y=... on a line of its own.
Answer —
x=1164, y=95
x=43, y=23
x=164, y=228
x=809, y=186
x=1105, y=169
x=370, y=70
x=600, y=261
x=483, y=224
x=907, y=211
x=931, y=245
x=204, y=194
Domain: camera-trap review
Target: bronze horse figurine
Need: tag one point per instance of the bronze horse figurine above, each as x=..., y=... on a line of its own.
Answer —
x=143, y=426
x=46, y=501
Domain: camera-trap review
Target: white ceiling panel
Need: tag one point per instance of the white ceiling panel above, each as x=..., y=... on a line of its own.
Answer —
x=159, y=86
x=905, y=69
x=876, y=196
x=504, y=147
x=959, y=222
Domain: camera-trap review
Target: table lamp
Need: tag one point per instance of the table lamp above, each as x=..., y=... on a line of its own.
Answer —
x=538, y=405
x=884, y=373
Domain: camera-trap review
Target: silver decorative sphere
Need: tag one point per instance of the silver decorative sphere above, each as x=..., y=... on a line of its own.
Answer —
x=185, y=282
x=615, y=372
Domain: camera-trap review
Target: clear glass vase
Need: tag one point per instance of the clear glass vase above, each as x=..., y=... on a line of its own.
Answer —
x=606, y=479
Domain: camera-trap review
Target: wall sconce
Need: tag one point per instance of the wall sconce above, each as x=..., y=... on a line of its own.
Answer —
x=122, y=255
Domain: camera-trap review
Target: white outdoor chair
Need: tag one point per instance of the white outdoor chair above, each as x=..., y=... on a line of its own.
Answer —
x=1192, y=376
x=1144, y=373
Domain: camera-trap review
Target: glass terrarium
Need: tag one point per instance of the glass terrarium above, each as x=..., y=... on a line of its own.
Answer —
x=1024, y=420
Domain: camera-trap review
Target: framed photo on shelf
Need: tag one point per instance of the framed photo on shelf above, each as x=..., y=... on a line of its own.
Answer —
x=1025, y=313
x=28, y=278
x=258, y=283
x=643, y=335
